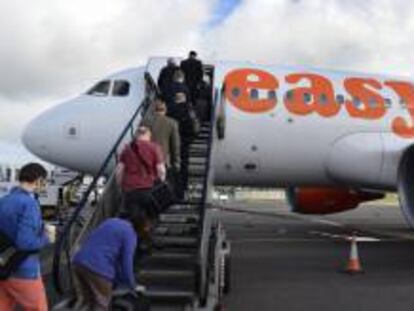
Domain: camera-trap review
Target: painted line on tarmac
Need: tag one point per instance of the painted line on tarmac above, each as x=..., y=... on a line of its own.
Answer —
x=390, y=236
x=282, y=240
x=345, y=237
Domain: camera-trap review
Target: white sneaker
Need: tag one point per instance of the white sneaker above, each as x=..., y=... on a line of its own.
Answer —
x=140, y=288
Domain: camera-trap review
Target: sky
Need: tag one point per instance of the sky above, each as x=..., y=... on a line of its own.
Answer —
x=55, y=49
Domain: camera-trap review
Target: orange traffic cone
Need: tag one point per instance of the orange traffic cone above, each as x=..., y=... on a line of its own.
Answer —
x=354, y=265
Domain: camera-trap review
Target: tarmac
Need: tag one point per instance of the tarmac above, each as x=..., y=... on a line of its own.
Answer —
x=291, y=262
x=285, y=261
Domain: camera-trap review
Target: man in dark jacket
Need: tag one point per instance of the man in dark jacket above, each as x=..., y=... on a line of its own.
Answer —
x=165, y=79
x=193, y=71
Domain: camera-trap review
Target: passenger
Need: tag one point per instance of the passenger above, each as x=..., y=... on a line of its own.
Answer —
x=193, y=71
x=203, y=103
x=179, y=108
x=105, y=261
x=141, y=165
x=21, y=221
x=178, y=100
x=165, y=79
x=165, y=133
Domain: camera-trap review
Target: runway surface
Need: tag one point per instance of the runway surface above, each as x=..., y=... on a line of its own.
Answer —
x=283, y=261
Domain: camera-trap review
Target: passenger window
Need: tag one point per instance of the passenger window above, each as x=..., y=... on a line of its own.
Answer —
x=289, y=95
x=271, y=94
x=323, y=99
x=307, y=97
x=403, y=104
x=372, y=103
x=357, y=102
x=340, y=99
x=8, y=174
x=254, y=94
x=121, y=88
x=235, y=92
x=388, y=103
x=100, y=89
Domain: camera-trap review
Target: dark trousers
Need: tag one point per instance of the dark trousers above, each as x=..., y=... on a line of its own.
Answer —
x=93, y=292
x=139, y=207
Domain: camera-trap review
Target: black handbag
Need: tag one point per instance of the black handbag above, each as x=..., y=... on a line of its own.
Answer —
x=11, y=257
x=162, y=195
x=162, y=192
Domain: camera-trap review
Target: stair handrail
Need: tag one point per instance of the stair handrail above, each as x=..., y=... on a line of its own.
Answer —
x=204, y=234
x=151, y=92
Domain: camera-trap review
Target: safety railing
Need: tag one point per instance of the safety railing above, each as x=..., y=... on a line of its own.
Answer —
x=66, y=242
x=204, y=222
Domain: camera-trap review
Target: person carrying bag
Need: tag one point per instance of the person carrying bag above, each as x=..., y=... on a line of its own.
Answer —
x=11, y=257
x=23, y=235
x=141, y=165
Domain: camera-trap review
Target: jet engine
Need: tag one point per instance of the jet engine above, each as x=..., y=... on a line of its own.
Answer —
x=406, y=185
x=319, y=201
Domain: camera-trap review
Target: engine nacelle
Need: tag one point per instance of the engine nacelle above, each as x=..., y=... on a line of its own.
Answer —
x=406, y=186
x=320, y=201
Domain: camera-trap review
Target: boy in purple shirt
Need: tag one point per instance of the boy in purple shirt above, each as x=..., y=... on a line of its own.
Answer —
x=105, y=260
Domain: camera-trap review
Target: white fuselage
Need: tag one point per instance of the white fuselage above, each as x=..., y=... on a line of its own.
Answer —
x=276, y=145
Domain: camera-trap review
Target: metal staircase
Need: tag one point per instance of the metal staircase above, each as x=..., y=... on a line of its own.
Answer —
x=185, y=269
x=171, y=273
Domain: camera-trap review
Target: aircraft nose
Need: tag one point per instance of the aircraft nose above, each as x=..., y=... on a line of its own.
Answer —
x=34, y=136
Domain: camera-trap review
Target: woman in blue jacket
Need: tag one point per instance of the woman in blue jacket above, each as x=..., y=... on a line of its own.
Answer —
x=105, y=260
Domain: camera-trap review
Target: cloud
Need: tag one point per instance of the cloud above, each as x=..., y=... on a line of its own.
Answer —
x=54, y=49
x=51, y=45
x=368, y=35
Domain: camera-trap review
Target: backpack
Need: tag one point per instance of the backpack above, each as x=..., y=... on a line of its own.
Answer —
x=11, y=257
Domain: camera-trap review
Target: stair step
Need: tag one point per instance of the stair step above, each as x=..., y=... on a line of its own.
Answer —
x=198, y=154
x=198, y=146
x=176, y=229
x=197, y=176
x=199, y=143
x=168, y=294
x=197, y=172
x=168, y=262
x=173, y=255
x=192, y=202
x=169, y=274
x=181, y=208
x=179, y=218
x=175, y=241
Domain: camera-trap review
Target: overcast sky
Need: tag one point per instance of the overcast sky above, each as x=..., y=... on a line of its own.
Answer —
x=54, y=49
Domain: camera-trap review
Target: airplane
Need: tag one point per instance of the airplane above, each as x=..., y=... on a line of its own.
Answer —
x=332, y=139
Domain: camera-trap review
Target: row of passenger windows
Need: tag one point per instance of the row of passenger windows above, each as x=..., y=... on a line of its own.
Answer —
x=8, y=174
x=307, y=97
x=103, y=88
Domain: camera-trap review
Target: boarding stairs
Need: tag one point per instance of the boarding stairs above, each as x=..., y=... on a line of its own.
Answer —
x=186, y=268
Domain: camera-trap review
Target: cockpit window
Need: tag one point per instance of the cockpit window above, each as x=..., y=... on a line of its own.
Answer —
x=100, y=89
x=121, y=88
